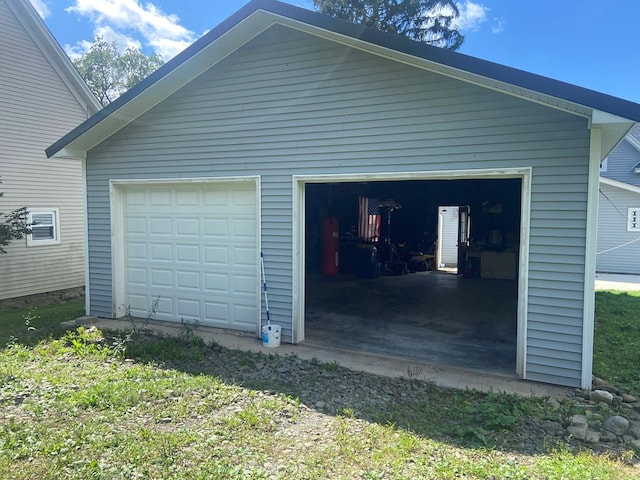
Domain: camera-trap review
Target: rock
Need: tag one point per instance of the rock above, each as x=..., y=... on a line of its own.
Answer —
x=586, y=407
x=554, y=428
x=617, y=425
x=635, y=445
x=579, y=432
x=592, y=437
x=608, y=437
x=579, y=421
x=601, y=396
x=608, y=388
x=596, y=381
x=553, y=403
x=626, y=398
x=634, y=429
x=320, y=405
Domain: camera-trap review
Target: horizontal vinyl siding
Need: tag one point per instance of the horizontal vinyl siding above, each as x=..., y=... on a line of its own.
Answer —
x=36, y=108
x=612, y=232
x=289, y=104
x=620, y=163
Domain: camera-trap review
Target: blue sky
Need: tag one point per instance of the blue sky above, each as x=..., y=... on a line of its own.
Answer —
x=589, y=43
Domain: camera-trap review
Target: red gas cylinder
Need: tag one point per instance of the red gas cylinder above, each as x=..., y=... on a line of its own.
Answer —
x=330, y=246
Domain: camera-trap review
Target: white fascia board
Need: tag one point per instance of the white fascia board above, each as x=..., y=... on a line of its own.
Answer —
x=635, y=143
x=618, y=184
x=74, y=153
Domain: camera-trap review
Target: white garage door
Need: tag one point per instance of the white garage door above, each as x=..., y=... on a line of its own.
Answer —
x=191, y=253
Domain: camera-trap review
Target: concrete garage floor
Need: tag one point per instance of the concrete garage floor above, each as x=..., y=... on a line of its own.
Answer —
x=427, y=317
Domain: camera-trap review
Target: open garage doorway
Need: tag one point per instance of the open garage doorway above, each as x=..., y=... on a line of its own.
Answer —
x=371, y=278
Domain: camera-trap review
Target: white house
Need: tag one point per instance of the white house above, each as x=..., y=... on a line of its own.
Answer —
x=41, y=97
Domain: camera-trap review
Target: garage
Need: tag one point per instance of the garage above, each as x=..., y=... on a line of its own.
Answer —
x=325, y=119
x=189, y=251
x=434, y=279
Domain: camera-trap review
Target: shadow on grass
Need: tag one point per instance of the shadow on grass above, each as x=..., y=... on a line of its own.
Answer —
x=462, y=418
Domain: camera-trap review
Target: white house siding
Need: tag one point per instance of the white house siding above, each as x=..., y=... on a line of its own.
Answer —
x=618, y=250
x=37, y=108
x=290, y=104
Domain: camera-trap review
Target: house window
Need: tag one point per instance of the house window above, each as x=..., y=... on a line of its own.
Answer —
x=603, y=164
x=633, y=220
x=45, y=227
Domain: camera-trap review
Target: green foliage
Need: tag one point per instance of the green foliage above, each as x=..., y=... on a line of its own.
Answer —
x=616, y=350
x=13, y=226
x=429, y=21
x=186, y=347
x=86, y=341
x=109, y=73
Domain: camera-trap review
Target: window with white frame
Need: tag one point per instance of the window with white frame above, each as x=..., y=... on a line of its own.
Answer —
x=633, y=220
x=44, y=226
x=603, y=164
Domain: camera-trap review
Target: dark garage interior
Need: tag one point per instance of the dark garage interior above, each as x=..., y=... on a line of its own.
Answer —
x=424, y=270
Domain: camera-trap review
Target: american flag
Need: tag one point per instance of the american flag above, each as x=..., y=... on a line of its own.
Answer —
x=368, y=219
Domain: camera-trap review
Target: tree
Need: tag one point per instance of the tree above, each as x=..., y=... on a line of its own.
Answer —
x=13, y=226
x=109, y=73
x=429, y=21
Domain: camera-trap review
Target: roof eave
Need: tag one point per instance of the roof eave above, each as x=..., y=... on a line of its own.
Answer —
x=619, y=184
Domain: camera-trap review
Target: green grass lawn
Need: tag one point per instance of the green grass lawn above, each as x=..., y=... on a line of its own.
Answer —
x=30, y=324
x=75, y=405
x=616, y=350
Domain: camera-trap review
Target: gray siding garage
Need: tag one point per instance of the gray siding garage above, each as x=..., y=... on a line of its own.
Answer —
x=288, y=98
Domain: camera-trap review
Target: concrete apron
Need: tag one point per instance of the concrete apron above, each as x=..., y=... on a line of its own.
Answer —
x=617, y=281
x=442, y=376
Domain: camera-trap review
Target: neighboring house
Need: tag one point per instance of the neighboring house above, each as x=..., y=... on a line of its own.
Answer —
x=232, y=147
x=619, y=208
x=41, y=97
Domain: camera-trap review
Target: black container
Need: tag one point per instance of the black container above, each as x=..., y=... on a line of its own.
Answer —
x=365, y=261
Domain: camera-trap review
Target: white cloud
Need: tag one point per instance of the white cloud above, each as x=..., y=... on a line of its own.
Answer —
x=124, y=21
x=41, y=7
x=499, y=25
x=471, y=15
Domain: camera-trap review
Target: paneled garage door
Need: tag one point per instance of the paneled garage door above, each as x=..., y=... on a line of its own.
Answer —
x=191, y=252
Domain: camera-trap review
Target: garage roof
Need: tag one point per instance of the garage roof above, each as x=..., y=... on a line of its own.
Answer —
x=615, y=114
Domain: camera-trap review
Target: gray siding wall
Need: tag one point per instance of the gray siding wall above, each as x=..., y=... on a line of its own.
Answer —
x=612, y=232
x=289, y=104
x=37, y=108
x=620, y=164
